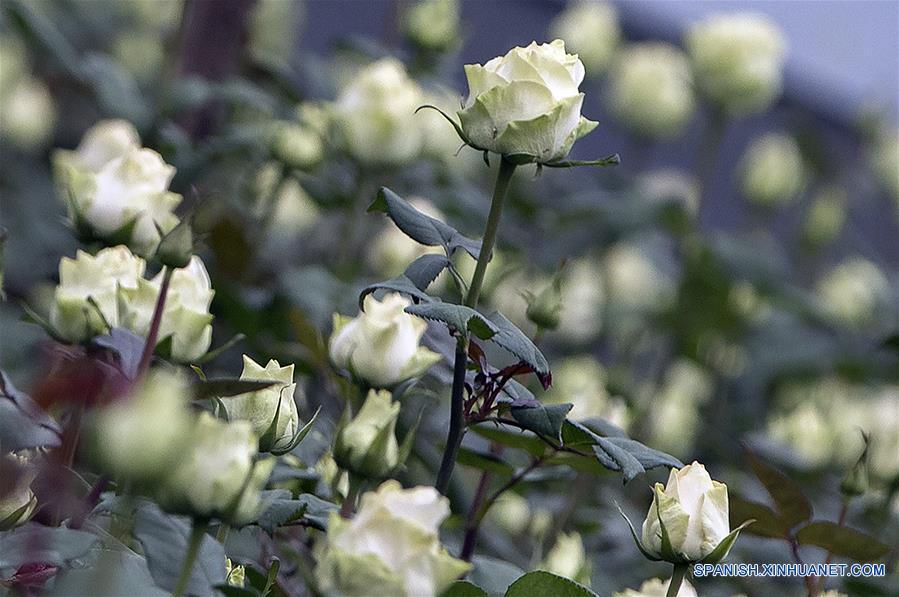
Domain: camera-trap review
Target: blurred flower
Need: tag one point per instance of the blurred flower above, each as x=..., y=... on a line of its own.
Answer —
x=738, y=61
x=381, y=344
x=87, y=299
x=567, y=558
x=13, y=62
x=27, y=114
x=367, y=445
x=526, y=103
x=633, y=280
x=296, y=145
x=216, y=476
x=651, y=89
x=511, y=512
x=390, y=547
x=140, y=437
x=545, y=307
x=292, y=210
x=657, y=587
x=273, y=29
x=826, y=215
x=772, y=170
x=675, y=419
x=671, y=185
x=140, y=53
x=271, y=411
x=17, y=501
x=583, y=297
x=116, y=190
x=186, y=322
x=855, y=292
x=581, y=381
x=590, y=29
x=694, y=511
x=392, y=251
x=433, y=24
x=884, y=160
x=375, y=115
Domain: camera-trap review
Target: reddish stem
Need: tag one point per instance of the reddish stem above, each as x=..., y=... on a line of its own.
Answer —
x=153, y=334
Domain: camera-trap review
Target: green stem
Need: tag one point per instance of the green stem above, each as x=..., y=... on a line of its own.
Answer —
x=457, y=415
x=677, y=577
x=197, y=533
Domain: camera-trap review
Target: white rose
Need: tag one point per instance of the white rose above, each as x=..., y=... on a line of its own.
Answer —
x=526, y=104
x=375, y=115
x=367, y=444
x=651, y=89
x=657, y=587
x=694, y=510
x=186, y=320
x=17, y=501
x=381, y=345
x=738, y=61
x=261, y=406
x=855, y=292
x=390, y=547
x=86, y=302
x=216, y=475
x=591, y=29
x=140, y=436
x=115, y=189
x=567, y=558
x=773, y=170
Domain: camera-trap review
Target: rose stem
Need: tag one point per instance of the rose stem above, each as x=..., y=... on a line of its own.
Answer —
x=197, y=533
x=153, y=334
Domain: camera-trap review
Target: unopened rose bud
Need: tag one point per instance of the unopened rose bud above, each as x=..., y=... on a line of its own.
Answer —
x=381, y=344
x=526, y=104
x=272, y=411
x=139, y=437
x=217, y=475
x=367, y=444
x=17, y=501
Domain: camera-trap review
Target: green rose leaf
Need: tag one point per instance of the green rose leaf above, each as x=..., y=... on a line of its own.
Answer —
x=767, y=521
x=282, y=509
x=459, y=318
x=401, y=284
x=842, y=541
x=424, y=270
x=792, y=504
x=463, y=588
x=420, y=227
x=542, y=419
x=512, y=339
x=511, y=438
x=484, y=461
x=545, y=583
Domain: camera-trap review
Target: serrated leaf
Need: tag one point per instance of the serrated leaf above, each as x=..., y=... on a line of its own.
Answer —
x=616, y=458
x=424, y=270
x=649, y=458
x=792, y=504
x=512, y=339
x=544, y=583
x=421, y=227
x=842, y=541
x=458, y=317
x=767, y=522
x=227, y=387
x=400, y=284
x=542, y=419
x=284, y=509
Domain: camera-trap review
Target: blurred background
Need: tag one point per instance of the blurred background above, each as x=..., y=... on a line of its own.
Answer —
x=734, y=281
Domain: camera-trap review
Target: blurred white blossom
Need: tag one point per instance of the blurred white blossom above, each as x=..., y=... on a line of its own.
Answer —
x=392, y=251
x=855, y=292
x=772, y=170
x=581, y=381
x=590, y=29
x=568, y=558
x=433, y=24
x=826, y=215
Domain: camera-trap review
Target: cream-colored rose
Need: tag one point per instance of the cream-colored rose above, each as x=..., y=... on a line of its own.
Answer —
x=772, y=170
x=390, y=547
x=590, y=29
x=738, y=61
x=217, y=475
x=367, y=444
x=634, y=281
x=375, y=115
x=87, y=299
x=567, y=558
x=433, y=24
x=17, y=501
x=272, y=411
x=694, y=511
x=139, y=437
x=381, y=344
x=393, y=251
x=116, y=190
x=526, y=104
x=27, y=114
x=581, y=381
x=657, y=587
x=186, y=322
x=854, y=292
x=651, y=89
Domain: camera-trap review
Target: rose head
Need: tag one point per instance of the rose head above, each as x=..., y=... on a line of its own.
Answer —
x=526, y=104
